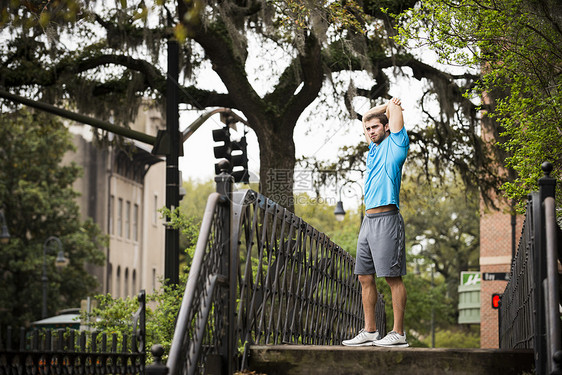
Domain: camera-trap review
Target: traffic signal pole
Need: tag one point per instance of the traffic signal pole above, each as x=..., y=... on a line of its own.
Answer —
x=172, y=242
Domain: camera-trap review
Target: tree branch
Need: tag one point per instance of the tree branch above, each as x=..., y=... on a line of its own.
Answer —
x=312, y=78
x=218, y=49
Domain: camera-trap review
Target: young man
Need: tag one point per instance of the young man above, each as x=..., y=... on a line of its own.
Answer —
x=380, y=246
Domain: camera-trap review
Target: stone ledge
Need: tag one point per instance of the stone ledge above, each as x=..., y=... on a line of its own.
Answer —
x=311, y=359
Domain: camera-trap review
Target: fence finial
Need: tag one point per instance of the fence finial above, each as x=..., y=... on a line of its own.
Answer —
x=547, y=168
x=157, y=367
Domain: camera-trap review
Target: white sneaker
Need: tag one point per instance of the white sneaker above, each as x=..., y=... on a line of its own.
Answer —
x=364, y=338
x=393, y=339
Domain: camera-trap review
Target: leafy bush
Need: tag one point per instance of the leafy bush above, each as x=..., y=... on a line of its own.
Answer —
x=115, y=315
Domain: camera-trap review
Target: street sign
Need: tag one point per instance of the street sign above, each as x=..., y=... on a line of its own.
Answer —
x=495, y=276
x=470, y=278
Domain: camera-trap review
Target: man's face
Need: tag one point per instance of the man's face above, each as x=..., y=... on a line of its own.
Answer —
x=376, y=130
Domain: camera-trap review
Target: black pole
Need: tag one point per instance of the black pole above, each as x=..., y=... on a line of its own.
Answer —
x=171, y=262
x=44, y=281
x=229, y=262
x=513, y=228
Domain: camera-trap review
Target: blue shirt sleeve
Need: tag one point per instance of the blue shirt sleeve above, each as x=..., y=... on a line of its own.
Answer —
x=400, y=138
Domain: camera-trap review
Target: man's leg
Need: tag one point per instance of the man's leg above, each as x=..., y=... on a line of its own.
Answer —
x=369, y=297
x=398, y=291
x=369, y=334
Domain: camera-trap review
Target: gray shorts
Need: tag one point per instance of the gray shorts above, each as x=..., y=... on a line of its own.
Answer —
x=381, y=245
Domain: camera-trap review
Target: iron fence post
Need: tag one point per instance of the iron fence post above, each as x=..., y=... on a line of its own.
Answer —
x=549, y=277
x=224, y=183
x=547, y=186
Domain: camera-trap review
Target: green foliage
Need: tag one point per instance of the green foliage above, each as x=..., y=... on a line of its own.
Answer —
x=456, y=338
x=188, y=217
x=346, y=235
x=342, y=14
x=320, y=215
x=518, y=44
x=39, y=14
x=196, y=194
x=425, y=296
x=38, y=201
x=442, y=229
x=189, y=232
x=115, y=315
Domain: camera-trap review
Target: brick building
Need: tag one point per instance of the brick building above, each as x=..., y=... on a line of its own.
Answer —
x=496, y=241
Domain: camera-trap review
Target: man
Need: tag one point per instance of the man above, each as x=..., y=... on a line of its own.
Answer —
x=380, y=246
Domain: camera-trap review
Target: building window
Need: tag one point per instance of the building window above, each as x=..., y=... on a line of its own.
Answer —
x=128, y=220
x=109, y=287
x=120, y=217
x=111, y=213
x=136, y=222
x=134, y=282
x=126, y=284
x=153, y=279
x=118, y=283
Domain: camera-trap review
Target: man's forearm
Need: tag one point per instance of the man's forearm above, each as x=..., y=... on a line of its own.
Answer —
x=380, y=108
x=394, y=114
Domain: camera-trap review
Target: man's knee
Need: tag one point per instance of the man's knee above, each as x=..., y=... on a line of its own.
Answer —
x=366, y=280
x=394, y=281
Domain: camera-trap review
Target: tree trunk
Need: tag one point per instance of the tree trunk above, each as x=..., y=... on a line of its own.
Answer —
x=277, y=163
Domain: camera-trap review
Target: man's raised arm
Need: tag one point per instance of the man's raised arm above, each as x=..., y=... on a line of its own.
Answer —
x=394, y=114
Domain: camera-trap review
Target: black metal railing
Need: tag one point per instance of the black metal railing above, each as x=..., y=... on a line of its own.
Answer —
x=529, y=315
x=518, y=300
x=67, y=351
x=262, y=275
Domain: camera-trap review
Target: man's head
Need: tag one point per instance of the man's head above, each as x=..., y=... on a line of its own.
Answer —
x=371, y=114
x=376, y=126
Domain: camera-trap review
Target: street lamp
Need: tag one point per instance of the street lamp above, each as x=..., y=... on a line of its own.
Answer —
x=4, y=234
x=339, y=212
x=60, y=262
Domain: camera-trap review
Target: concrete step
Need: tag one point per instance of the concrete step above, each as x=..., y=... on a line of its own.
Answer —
x=335, y=360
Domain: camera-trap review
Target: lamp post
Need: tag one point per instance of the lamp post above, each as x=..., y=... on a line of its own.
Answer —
x=339, y=212
x=4, y=234
x=60, y=262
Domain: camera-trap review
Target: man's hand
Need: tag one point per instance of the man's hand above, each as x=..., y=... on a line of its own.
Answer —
x=395, y=101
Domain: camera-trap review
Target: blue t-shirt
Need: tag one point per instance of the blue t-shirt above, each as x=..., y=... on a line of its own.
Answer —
x=384, y=170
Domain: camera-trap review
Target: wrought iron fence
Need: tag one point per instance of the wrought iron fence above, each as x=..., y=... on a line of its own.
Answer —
x=67, y=351
x=518, y=300
x=529, y=315
x=289, y=284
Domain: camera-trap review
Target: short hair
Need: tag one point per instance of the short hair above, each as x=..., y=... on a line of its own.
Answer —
x=372, y=114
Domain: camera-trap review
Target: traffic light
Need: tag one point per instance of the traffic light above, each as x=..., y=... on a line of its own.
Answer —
x=496, y=301
x=224, y=150
x=239, y=161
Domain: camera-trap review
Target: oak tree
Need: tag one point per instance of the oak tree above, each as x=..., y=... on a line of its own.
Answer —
x=102, y=58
